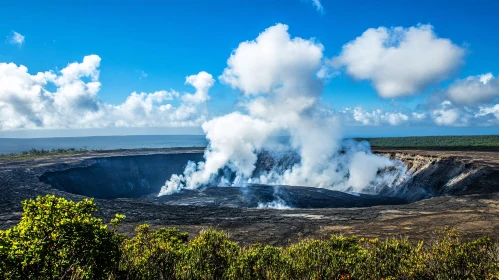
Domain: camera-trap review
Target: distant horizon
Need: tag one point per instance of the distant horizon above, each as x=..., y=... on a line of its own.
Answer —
x=204, y=135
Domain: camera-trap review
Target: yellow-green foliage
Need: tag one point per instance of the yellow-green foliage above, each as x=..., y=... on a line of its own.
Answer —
x=450, y=258
x=57, y=238
x=60, y=239
x=260, y=262
x=208, y=256
x=152, y=254
x=331, y=259
x=394, y=258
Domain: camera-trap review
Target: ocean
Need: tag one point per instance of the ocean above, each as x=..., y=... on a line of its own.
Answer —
x=16, y=145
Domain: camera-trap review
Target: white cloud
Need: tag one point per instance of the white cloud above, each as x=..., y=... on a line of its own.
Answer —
x=360, y=116
x=419, y=116
x=202, y=82
x=16, y=39
x=492, y=110
x=318, y=5
x=400, y=61
x=474, y=90
x=397, y=118
x=272, y=61
x=444, y=114
x=448, y=114
x=26, y=102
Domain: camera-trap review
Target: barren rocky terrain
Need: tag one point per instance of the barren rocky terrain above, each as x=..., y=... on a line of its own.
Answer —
x=448, y=188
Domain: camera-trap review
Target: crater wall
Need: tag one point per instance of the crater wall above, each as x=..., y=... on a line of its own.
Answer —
x=142, y=176
x=436, y=175
x=120, y=177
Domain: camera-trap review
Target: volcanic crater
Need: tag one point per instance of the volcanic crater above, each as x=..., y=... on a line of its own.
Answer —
x=442, y=188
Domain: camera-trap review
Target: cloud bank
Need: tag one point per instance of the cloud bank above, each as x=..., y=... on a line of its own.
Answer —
x=445, y=113
x=26, y=101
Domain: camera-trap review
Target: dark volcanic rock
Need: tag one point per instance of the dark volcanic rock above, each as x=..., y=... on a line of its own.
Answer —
x=288, y=196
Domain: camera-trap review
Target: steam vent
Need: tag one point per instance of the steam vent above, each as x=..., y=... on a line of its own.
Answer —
x=431, y=190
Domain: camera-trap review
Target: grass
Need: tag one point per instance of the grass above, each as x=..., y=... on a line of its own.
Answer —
x=41, y=154
x=38, y=154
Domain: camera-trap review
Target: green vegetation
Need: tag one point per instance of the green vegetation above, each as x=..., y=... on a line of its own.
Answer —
x=36, y=154
x=61, y=239
x=485, y=142
x=57, y=238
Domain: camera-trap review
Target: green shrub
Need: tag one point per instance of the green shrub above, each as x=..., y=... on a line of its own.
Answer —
x=208, y=256
x=152, y=254
x=57, y=238
x=332, y=259
x=394, y=258
x=61, y=239
x=260, y=262
x=450, y=258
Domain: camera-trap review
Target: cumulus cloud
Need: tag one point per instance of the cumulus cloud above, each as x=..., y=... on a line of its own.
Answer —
x=16, y=38
x=400, y=61
x=360, y=116
x=202, y=82
x=274, y=60
x=27, y=103
x=449, y=114
x=446, y=114
x=474, y=90
x=489, y=114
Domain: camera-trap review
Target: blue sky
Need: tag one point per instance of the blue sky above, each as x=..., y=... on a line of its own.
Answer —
x=148, y=46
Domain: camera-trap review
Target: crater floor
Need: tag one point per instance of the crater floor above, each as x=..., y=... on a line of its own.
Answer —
x=463, y=186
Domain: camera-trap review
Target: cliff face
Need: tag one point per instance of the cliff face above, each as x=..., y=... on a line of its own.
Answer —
x=120, y=177
x=439, y=175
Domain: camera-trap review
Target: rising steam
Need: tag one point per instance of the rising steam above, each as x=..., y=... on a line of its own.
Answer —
x=282, y=81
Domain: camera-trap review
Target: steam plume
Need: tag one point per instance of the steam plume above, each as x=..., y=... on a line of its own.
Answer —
x=280, y=78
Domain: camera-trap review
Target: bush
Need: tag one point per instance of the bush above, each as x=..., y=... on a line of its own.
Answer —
x=260, y=262
x=450, y=258
x=393, y=258
x=60, y=239
x=57, y=238
x=152, y=254
x=332, y=259
x=208, y=256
